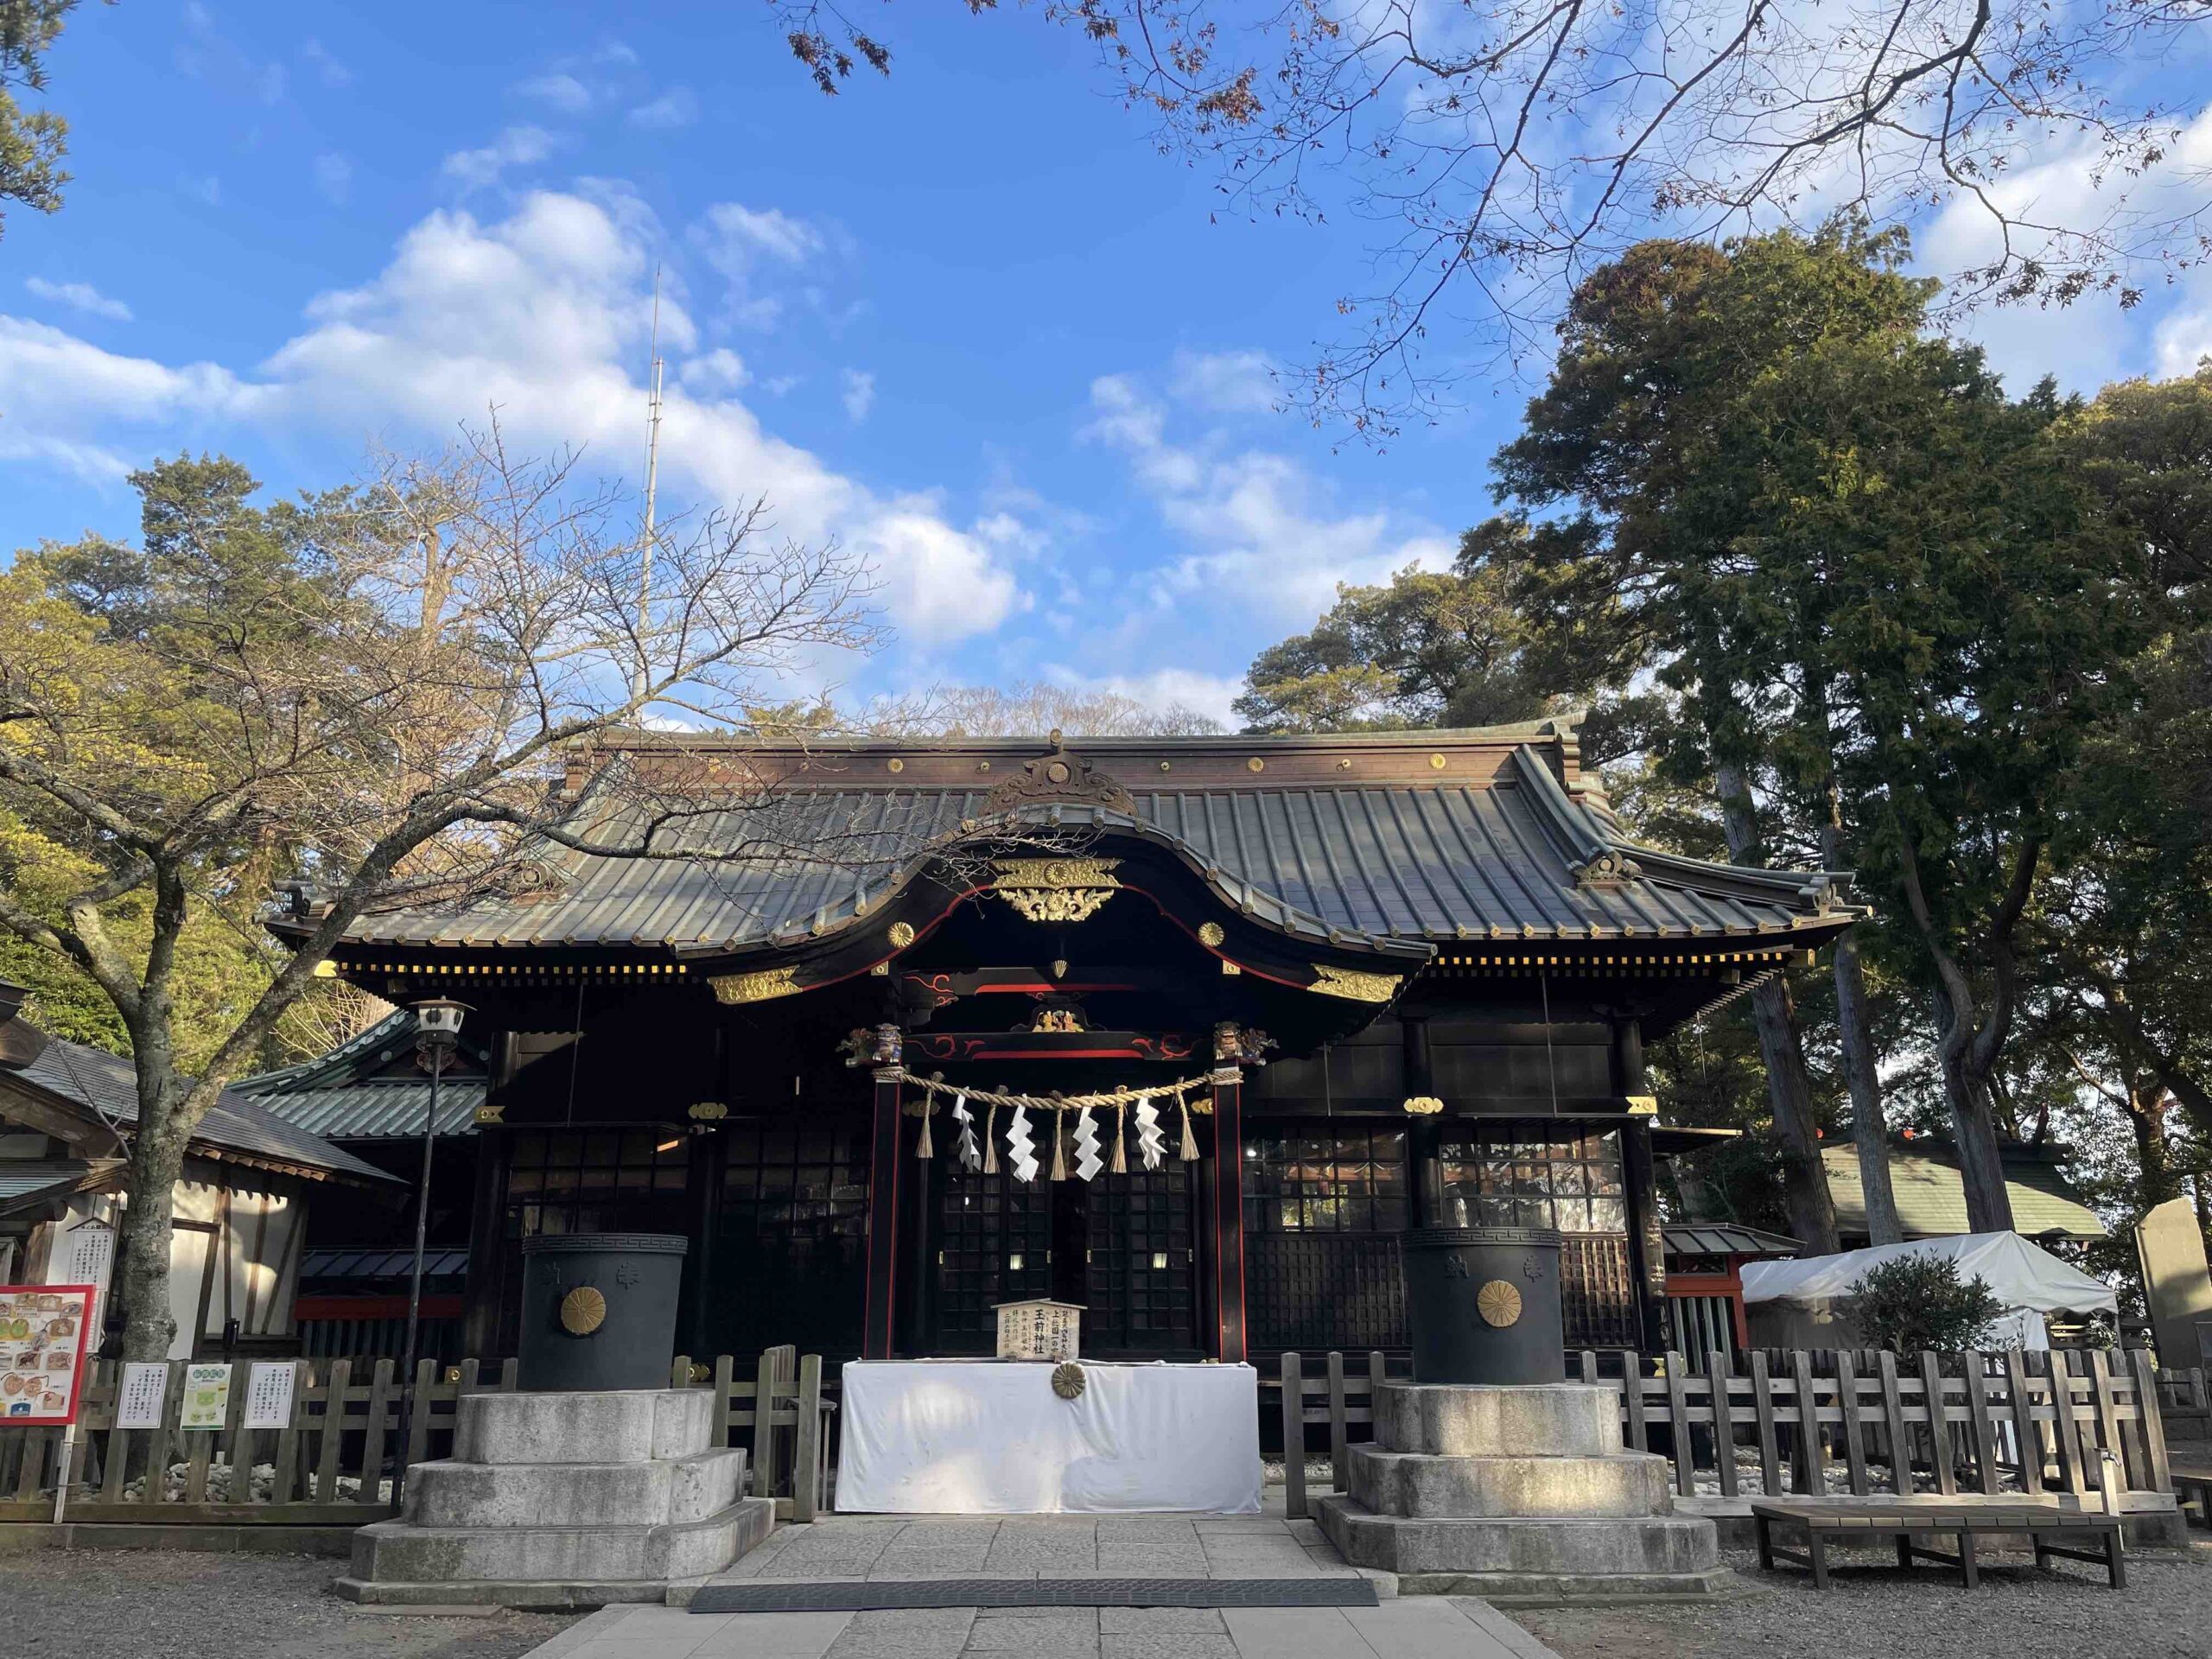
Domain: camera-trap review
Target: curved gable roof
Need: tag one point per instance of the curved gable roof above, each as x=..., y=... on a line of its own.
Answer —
x=1388, y=842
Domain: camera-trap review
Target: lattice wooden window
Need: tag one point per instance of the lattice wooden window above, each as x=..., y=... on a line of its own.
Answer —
x=786, y=1263
x=1335, y=1180
x=582, y=1181
x=1571, y=1183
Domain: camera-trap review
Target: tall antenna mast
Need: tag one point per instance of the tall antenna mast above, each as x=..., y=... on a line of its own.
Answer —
x=652, y=484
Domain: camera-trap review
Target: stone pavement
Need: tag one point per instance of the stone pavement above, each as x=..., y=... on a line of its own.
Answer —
x=1043, y=1546
x=886, y=1548
x=1425, y=1627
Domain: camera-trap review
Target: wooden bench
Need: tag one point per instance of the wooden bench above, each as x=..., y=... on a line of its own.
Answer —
x=2193, y=1488
x=1829, y=1523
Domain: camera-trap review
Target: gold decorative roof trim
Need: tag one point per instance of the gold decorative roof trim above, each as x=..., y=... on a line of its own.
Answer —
x=1354, y=986
x=764, y=986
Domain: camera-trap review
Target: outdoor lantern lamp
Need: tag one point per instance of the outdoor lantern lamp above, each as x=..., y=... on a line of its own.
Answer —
x=437, y=1031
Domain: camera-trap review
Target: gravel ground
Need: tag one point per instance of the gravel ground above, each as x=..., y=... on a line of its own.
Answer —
x=1873, y=1612
x=132, y=1603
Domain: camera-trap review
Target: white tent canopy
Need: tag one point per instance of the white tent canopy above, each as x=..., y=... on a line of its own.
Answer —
x=2025, y=1277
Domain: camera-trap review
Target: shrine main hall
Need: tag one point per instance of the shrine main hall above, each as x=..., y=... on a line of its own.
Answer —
x=1187, y=1031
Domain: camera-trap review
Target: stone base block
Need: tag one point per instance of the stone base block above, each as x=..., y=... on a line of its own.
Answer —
x=1588, y=1589
x=620, y=1426
x=393, y=1557
x=1463, y=1421
x=1422, y=1484
x=535, y=1597
x=1653, y=1551
x=677, y=1489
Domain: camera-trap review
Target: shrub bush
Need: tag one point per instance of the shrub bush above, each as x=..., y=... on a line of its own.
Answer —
x=1919, y=1302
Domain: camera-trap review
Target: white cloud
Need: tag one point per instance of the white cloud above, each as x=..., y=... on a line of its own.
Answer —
x=273, y=81
x=2068, y=183
x=1225, y=383
x=82, y=296
x=564, y=92
x=737, y=235
x=544, y=315
x=207, y=189
x=333, y=176
x=1172, y=688
x=1259, y=525
x=473, y=169
x=333, y=72
x=677, y=107
x=859, y=394
x=720, y=370
x=742, y=242
x=940, y=583
x=66, y=398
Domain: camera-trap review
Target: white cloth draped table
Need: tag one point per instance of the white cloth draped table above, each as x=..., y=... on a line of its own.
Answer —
x=982, y=1437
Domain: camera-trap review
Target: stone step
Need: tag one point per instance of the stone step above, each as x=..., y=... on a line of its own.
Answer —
x=675, y=1490
x=1547, y=1546
x=1458, y=1420
x=611, y=1426
x=1420, y=1484
x=395, y=1552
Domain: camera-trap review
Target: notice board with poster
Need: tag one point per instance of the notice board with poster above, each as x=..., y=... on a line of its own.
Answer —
x=44, y=1329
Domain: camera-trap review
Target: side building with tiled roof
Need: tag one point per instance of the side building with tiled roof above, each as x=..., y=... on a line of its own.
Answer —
x=1390, y=975
x=253, y=1183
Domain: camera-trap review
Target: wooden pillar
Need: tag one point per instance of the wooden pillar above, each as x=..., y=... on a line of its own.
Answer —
x=880, y=1313
x=1229, y=1344
x=487, y=1245
x=702, y=1198
x=921, y=1208
x=1647, y=1239
x=1424, y=1130
x=1647, y=1243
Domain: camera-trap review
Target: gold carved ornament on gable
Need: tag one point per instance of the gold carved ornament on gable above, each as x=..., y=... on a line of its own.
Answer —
x=1056, y=889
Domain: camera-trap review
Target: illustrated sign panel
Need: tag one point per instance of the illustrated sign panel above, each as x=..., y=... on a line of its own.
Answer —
x=268, y=1394
x=206, y=1396
x=42, y=1335
x=138, y=1402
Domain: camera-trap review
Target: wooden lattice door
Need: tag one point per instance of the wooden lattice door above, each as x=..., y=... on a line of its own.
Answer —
x=994, y=1244
x=1140, y=1265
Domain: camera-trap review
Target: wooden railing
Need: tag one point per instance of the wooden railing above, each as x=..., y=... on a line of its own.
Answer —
x=791, y=1448
x=2090, y=1421
x=334, y=1461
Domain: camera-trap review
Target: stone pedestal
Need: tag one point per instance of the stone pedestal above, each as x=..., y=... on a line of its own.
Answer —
x=1517, y=1494
x=565, y=1500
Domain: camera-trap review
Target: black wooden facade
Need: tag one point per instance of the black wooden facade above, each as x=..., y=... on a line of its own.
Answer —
x=1420, y=957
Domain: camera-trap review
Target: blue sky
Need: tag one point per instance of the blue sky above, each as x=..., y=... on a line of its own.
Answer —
x=966, y=318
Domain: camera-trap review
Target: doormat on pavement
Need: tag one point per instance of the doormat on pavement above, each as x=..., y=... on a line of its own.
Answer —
x=859, y=1596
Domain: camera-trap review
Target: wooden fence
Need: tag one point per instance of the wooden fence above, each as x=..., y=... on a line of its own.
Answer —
x=1860, y=1423
x=334, y=1462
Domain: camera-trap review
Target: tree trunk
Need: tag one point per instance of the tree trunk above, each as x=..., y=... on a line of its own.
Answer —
x=1790, y=1093
x=1973, y=1125
x=141, y=1285
x=1804, y=1179
x=1870, y=1129
x=2146, y=1117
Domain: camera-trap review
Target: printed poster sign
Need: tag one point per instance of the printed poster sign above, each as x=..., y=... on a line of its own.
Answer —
x=87, y=1252
x=268, y=1394
x=206, y=1396
x=138, y=1402
x=44, y=1329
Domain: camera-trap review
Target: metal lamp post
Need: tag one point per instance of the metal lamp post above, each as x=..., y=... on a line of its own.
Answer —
x=437, y=1031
